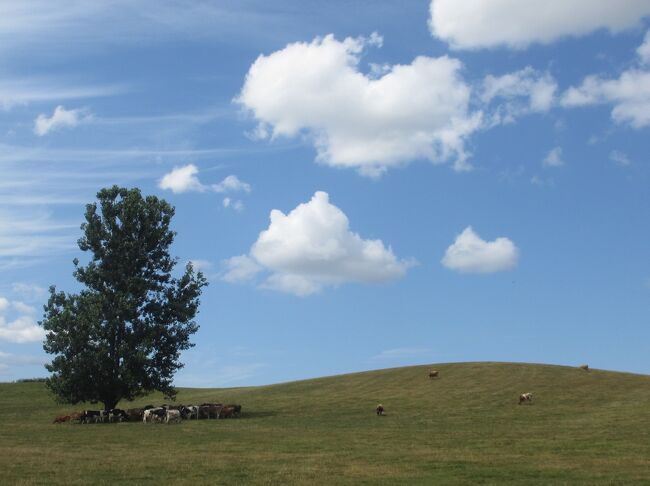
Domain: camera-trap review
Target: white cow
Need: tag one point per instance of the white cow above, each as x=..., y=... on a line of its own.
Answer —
x=172, y=416
x=153, y=415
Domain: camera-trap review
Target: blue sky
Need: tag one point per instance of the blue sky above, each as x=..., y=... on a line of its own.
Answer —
x=366, y=184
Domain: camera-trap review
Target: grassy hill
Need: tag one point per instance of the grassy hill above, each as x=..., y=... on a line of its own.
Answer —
x=464, y=427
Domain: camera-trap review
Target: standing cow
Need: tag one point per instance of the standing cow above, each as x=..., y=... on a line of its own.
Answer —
x=525, y=398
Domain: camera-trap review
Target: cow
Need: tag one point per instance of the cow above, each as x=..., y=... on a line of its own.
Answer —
x=76, y=416
x=154, y=415
x=62, y=419
x=584, y=367
x=227, y=412
x=433, y=374
x=117, y=415
x=209, y=411
x=89, y=416
x=135, y=414
x=525, y=397
x=190, y=412
x=380, y=409
x=237, y=410
x=172, y=416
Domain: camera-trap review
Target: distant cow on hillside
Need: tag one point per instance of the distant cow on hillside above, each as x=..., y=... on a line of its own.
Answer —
x=380, y=409
x=584, y=367
x=433, y=374
x=525, y=397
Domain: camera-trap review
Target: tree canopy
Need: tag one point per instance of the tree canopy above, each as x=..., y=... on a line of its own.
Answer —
x=121, y=336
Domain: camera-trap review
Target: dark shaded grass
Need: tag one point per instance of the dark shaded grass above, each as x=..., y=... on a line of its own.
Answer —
x=462, y=428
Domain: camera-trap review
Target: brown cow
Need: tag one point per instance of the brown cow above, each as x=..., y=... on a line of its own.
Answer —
x=135, y=414
x=433, y=374
x=61, y=419
x=76, y=416
x=380, y=409
x=227, y=412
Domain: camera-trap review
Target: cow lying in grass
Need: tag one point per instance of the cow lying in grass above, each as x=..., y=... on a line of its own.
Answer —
x=433, y=374
x=525, y=397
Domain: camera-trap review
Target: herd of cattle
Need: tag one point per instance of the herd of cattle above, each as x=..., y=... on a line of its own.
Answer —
x=172, y=414
x=149, y=414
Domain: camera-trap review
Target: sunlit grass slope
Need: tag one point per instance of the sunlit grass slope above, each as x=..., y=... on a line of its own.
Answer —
x=464, y=427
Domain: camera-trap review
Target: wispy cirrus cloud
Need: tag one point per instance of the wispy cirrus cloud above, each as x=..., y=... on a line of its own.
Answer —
x=19, y=91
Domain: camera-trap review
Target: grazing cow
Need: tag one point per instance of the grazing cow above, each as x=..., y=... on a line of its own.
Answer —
x=154, y=415
x=380, y=409
x=433, y=374
x=190, y=412
x=89, y=416
x=584, y=367
x=172, y=416
x=525, y=397
x=210, y=411
x=117, y=415
x=77, y=416
x=61, y=419
x=227, y=412
x=135, y=414
x=237, y=410
x=214, y=411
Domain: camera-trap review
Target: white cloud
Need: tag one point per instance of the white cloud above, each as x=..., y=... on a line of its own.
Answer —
x=371, y=123
x=523, y=91
x=182, y=179
x=240, y=269
x=24, y=308
x=231, y=184
x=312, y=247
x=61, y=118
x=629, y=93
x=471, y=254
x=185, y=179
x=23, y=328
x=619, y=158
x=29, y=292
x=472, y=24
x=553, y=158
x=644, y=49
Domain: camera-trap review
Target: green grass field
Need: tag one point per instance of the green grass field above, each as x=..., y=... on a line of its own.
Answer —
x=464, y=427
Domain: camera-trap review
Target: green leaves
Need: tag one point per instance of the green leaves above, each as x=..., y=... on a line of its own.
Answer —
x=121, y=337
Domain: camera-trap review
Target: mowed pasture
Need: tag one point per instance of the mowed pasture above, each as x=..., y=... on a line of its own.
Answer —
x=463, y=427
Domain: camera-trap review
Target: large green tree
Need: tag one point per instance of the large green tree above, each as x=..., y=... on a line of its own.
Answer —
x=122, y=335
